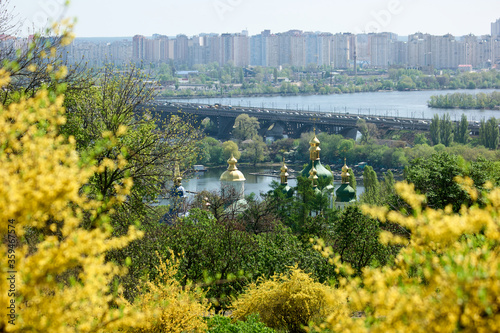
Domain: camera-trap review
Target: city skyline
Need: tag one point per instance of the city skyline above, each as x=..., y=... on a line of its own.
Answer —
x=115, y=18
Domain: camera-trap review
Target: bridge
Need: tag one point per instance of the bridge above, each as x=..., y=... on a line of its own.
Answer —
x=285, y=122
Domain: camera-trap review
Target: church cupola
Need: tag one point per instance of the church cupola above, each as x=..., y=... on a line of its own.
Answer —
x=325, y=177
x=345, y=194
x=285, y=188
x=233, y=179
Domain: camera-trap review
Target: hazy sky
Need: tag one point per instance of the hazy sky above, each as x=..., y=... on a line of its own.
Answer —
x=109, y=18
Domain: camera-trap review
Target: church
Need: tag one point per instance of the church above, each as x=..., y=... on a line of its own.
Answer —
x=232, y=184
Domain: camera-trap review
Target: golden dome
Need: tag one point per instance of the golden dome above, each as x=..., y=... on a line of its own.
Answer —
x=284, y=174
x=313, y=174
x=232, y=174
x=345, y=173
x=314, y=141
x=345, y=168
x=177, y=176
x=284, y=168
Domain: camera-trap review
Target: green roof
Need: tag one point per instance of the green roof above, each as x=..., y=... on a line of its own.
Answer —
x=345, y=193
x=322, y=172
x=287, y=190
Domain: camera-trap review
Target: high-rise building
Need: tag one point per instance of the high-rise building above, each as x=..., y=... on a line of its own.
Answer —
x=484, y=52
x=325, y=42
x=297, y=50
x=181, y=52
x=257, y=50
x=312, y=48
x=363, y=48
x=443, y=52
x=398, y=53
x=212, y=44
x=272, y=51
x=138, y=47
x=379, y=49
x=241, y=49
x=495, y=28
x=468, y=51
x=418, y=51
x=197, y=51
x=343, y=49
x=495, y=50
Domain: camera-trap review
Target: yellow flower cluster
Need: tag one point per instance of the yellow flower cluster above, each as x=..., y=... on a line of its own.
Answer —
x=445, y=279
x=289, y=301
x=61, y=282
x=170, y=307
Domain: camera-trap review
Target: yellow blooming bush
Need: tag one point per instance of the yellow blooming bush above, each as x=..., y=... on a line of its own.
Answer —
x=54, y=276
x=55, y=232
x=289, y=301
x=445, y=279
x=169, y=306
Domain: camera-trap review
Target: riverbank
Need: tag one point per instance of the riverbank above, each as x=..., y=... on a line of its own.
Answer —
x=253, y=95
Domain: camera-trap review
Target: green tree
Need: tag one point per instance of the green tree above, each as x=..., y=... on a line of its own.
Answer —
x=462, y=135
x=345, y=147
x=435, y=130
x=352, y=179
x=241, y=75
x=203, y=153
x=446, y=130
x=230, y=148
x=435, y=176
x=389, y=182
x=420, y=139
x=245, y=127
x=482, y=132
x=215, y=151
x=363, y=128
x=372, y=186
x=150, y=151
x=356, y=239
x=489, y=134
x=255, y=151
x=214, y=248
x=406, y=83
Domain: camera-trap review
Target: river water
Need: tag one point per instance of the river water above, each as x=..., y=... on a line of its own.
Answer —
x=257, y=184
x=410, y=104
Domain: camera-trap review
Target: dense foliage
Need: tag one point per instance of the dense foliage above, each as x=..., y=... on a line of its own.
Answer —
x=229, y=80
x=466, y=101
x=445, y=278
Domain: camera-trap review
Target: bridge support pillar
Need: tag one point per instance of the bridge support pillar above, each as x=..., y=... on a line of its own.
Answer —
x=225, y=127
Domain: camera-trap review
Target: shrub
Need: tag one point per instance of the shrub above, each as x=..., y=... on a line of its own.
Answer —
x=287, y=301
x=63, y=283
x=170, y=307
x=221, y=324
x=445, y=279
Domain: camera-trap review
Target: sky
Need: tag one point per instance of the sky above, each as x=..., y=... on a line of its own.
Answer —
x=125, y=18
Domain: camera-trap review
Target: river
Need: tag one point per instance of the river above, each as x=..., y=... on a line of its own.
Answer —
x=410, y=104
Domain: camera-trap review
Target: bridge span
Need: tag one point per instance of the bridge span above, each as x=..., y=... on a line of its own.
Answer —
x=290, y=122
